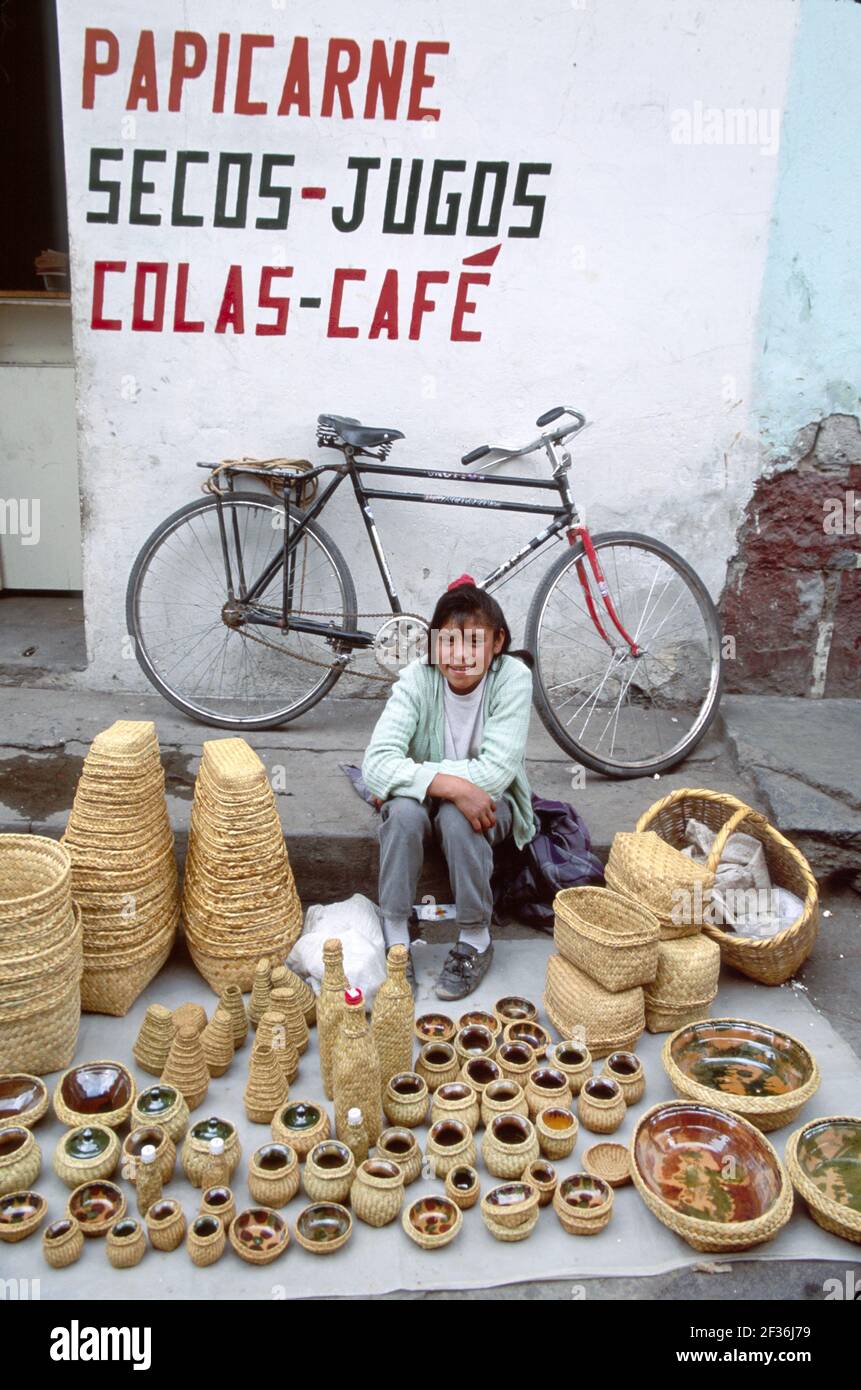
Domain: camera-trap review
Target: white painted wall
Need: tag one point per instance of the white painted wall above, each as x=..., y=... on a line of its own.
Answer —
x=636, y=304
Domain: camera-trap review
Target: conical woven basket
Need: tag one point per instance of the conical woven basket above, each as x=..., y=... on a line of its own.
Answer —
x=578, y=1007
x=124, y=874
x=239, y=897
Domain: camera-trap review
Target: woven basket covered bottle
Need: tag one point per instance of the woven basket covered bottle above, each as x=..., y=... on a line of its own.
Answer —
x=124, y=876
x=330, y=1008
x=239, y=896
x=356, y=1069
x=393, y=1018
x=40, y=961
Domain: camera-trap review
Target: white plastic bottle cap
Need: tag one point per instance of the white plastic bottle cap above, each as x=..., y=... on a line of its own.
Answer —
x=216, y=1147
x=148, y=1153
x=354, y=1115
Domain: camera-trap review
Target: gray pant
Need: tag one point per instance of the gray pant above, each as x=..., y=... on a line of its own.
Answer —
x=407, y=826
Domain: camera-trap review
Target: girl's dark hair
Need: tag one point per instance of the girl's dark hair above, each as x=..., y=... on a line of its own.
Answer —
x=467, y=602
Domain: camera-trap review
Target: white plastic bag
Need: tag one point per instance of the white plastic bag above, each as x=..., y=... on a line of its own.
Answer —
x=356, y=922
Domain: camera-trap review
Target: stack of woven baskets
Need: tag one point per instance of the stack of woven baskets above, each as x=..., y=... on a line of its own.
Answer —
x=239, y=899
x=608, y=949
x=40, y=956
x=124, y=875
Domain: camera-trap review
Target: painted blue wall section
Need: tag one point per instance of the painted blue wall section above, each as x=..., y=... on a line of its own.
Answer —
x=810, y=308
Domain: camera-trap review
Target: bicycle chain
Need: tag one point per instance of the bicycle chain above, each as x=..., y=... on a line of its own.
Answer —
x=312, y=661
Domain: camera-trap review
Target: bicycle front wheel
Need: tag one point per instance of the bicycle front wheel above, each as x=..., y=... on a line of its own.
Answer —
x=198, y=647
x=618, y=714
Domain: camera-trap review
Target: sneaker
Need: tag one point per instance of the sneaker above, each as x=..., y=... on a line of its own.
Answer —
x=464, y=970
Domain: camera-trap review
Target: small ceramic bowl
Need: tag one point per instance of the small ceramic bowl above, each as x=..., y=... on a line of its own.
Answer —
x=399, y=1145
x=21, y=1213
x=437, y=1064
x=483, y=1019
x=510, y=1211
x=432, y=1221
x=450, y=1144
x=301, y=1124
x=323, y=1228
x=456, y=1100
x=273, y=1175
x=259, y=1235
x=528, y=1030
x=165, y=1222
x=96, y=1206
x=463, y=1186
x=517, y=1060
x=543, y=1177
x=627, y=1070
x=435, y=1028
x=547, y=1086
x=329, y=1172
x=574, y=1060
x=556, y=1127
x=474, y=1041
x=23, y=1099
x=583, y=1204
x=62, y=1243
x=102, y=1091
x=513, y=1008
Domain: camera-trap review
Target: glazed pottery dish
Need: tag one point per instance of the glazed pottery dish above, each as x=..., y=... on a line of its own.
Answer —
x=102, y=1091
x=710, y=1176
x=513, y=1008
x=259, y=1235
x=323, y=1227
x=584, y=1204
x=748, y=1068
x=510, y=1211
x=20, y=1215
x=23, y=1099
x=96, y=1206
x=824, y=1162
x=435, y=1028
x=432, y=1221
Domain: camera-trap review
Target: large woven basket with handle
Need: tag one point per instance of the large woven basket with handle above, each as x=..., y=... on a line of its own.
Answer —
x=770, y=960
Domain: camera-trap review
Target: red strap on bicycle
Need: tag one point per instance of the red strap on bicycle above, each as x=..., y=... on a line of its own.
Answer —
x=581, y=533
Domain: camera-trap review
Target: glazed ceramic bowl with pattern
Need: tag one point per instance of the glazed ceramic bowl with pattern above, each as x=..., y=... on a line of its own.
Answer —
x=483, y=1019
x=23, y=1099
x=748, y=1068
x=435, y=1028
x=514, y=1008
x=21, y=1213
x=432, y=1221
x=583, y=1203
x=96, y=1206
x=323, y=1228
x=510, y=1210
x=259, y=1235
x=530, y=1031
x=824, y=1162
x=710, y=1176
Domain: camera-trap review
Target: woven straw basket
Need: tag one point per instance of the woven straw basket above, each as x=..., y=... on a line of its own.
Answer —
x=685, y=985
x=578, y=1007
x=124, y=875
x=651, y=873
x=605, y=935
x=771, y=960
x=836, y=1217
x=40, y=956
x=239, y=898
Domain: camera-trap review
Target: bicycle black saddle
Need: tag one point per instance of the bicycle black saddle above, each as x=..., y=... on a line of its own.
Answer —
x=357, y=435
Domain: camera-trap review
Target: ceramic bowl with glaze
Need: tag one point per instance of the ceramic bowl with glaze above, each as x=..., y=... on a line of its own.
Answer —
x=96, y=1206
x=23, y=1099
x=20, y=1215
x=323, y=1227
x=87, y=1154
x=709, y=1175
x=824, y=1160
x=102, y=1091
x=528, y=1030
x=748, y=1068
x=483, y=1019
x=583, y=1203
x=259, y=1235
x=514, y=1008
x=511, y=1204
x=435, y=1028
x=432, y=1221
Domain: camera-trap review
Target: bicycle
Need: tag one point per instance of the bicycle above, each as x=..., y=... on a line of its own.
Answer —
x=244, y=615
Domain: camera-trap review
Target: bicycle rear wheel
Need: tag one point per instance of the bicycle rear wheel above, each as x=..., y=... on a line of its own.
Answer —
x=618, y=714
x=205, y=657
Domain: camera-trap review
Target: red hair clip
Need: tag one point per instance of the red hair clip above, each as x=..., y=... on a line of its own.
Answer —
x=461, y=579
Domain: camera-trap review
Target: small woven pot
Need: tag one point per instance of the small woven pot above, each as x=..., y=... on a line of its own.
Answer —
x=510, y=1144
x=601, y=1105
x=583, y=1204
x=450, y=1144
x=516, y=1061
x=458, y=1101
x=474, y=1041
x=273, y=1175
x=206, y=1240
x=232, y=1001
x=400, y=1146
x=483, y=1019
x=329, y=1171
x=838, y=1217
x=503, y=1097
x=267, y=1088
x=164, y=1106
x=126, y=1243
x=196, y=1153
x=556, y=1128
x=437, y=1063
x=510, y=1211
x=323, y=1228
x=217, y=1042
x=574, y=1060
x=432, y=1222
x=153, y=1041
x=21, y=1213
x=112, y=1118
x=546, y=1086
x=23, y=1099
x=377, y=1193
x=20, y=1159
x=543, y=1178
x=165, y=1222
x=626, y=1069
x=481, y=1072
x=463, y=1186
x=530, y=1031
x=86, y=1154
x=406, y=1100
x=185, y=1068
x=165, y=1152
x=302, y=1124
x=62, y=1243
x=220, y=1202
x=96, y=1206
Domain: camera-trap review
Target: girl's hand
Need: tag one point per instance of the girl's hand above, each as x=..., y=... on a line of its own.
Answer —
x=470, y=800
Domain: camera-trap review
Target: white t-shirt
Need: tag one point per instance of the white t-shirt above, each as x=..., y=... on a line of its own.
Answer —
x=464, y=721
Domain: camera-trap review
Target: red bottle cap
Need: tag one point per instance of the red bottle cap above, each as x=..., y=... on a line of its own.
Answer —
x=353, y=996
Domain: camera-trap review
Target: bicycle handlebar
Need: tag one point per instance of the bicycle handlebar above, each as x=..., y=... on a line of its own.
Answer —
x=553, y=437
